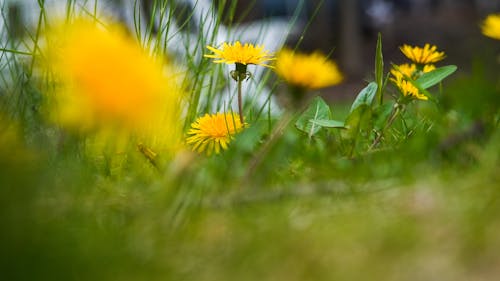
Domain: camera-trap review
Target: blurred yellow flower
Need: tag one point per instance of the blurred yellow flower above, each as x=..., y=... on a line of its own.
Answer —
x=427, y=54
x=212, y=132
x=106, y=81
x=491, y=26
x=308, y=71
x=242, y=54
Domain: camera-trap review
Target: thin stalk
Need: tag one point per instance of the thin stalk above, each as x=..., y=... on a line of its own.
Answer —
x=269, y=123
x=95, y=9
x=70, y=9
x=313, y=16
x=137, y=20
x=240, y=101
x=395, y=112
x=243, y=15
x=148, y=37
x=3, y=50
x=41, y=16
x=240, y=74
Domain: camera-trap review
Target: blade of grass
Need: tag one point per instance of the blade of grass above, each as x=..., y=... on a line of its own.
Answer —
x=379, y=70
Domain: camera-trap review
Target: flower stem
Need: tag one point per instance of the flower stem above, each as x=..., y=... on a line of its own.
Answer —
x=395, y=112
x=240, y=74
x=240, y=102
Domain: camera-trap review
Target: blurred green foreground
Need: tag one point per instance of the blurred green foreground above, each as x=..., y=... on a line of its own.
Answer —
x=416, y=213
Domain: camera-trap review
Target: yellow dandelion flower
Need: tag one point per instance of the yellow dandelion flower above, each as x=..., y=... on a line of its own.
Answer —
x=491, y=26
x=403, y=70
x=106, y=82
x=410, y=70
x=428, y=68
x=427, y=54
x=105, y=77
x=309, y=71
x=240, y=54
x=213, y=132
x=409, y=90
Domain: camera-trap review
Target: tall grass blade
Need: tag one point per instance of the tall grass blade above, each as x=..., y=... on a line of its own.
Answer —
x=379, y=70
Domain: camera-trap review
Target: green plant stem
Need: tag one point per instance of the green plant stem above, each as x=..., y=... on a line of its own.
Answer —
x=240, y=101
x=395, y=112
x=41, y=17
x=17, y=52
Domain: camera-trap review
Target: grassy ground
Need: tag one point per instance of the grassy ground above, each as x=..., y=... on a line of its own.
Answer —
x=392, y=215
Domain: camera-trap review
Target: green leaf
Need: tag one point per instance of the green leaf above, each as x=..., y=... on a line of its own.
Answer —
x=327, y=123
x=379, y=69
x=381, y=114
x=317, y=110
x=357, y=120
x=432, y=78
x=365, y=96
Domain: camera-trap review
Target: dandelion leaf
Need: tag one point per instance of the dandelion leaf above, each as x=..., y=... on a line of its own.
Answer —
x=432, y=78
x=358, y=120
x=317, y=110
x=379, y=69
x=365, y=97
x=381, y=114
x=328, y=123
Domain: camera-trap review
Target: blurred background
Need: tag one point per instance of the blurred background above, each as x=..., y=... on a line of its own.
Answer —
x=346, y=30
x=350, y=28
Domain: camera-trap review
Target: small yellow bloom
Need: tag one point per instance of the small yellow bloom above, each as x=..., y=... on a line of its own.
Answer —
x=410, y=70
x=403, y=70
x=408, y=90
x=243, y=54
x=428, y=68
x=491, y=26
x=427, y=54
x=212, y=132
x=309, y=71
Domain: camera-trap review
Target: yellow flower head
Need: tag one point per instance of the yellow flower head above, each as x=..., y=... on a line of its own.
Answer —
x=238, y=53
x=428, y=68
x=105, y=77
x=106, y=81
x=427, y=54
x=212, y=132
x=403, y=70
x=410, y=70
x=408, y=90
x=309, y=71
x=491, y=26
